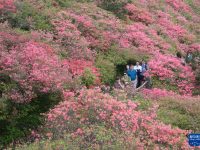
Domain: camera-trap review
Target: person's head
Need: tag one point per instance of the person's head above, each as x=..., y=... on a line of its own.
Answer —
x=137, y=63
x=131, y=67
x=125, y=73
x=127, y=67
x=143, y=62
x=118, y=79
x=188, y=53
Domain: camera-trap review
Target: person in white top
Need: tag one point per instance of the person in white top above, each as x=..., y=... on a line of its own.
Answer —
x=138, y=69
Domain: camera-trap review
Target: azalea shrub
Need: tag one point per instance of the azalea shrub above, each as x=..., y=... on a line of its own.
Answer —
x=26, y=17
x=18, y=120
x=181, y=111
x=108, y=73
x=171, y=72
x=114, y=6
x=51, y=49
x=31, y=73
x=32, y=68
x=156, y=93
x=137, y=14
x=177, y=5
x=88, y=78
x=95, y=120
x=7, y=6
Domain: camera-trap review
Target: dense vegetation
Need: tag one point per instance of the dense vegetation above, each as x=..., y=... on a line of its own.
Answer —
x=53, y=53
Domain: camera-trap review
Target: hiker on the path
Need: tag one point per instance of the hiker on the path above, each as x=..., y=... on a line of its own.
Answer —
x=145, y=67
x=126, y=79
x=138, y=69
x=118, y=84
x=127, y=67
x=188, y=58
x=133, y=75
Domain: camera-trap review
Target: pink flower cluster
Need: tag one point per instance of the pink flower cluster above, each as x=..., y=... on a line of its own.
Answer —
x=34, y=68
x=172, y=30
x=165, y=66
x=138, y=14
x=75, y=116
x=7, y=5
x=179, y=5
x=156, y=93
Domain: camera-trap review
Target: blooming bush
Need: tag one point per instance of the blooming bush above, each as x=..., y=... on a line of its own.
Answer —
x=179, y=5
x=137, y=14
x=54, y=46
x=7, y=6
x=181, y=111
x=33, y=68
x=157, y=93
x=94, y=120
x=165, y=67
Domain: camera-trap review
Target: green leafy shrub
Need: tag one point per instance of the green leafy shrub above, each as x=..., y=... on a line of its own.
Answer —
x=187, y=15
x=114, y=6
x=18, y=120
x=88, y=78
x=106, y=69
x=164, y=84
x=100, y=134
x=180, y=112
x=64, y=3
x=28, y=17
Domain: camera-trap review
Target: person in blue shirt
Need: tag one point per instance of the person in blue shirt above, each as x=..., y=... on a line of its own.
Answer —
x=188, y=58
x=133, y=75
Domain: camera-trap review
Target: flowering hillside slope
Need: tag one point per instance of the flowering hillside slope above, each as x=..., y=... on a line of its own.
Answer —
x=50, y=49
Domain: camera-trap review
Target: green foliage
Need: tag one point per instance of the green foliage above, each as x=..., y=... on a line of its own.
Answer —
x=187, y=15
x=185, y=39
x=64, y=3
x=164, y=84
x=119, y=56
x=103, y=140
x=144, y=104
x=114, y=6
x=18, y=120
x=173, y=111
x=161, y=7
x=172, y=50
x=88, y=78
x=106, y=68
x=39, y=19
x=175, y=119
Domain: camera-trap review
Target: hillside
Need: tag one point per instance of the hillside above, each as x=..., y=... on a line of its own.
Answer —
x=54, y=52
